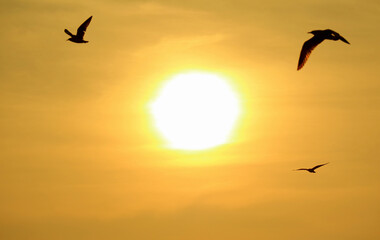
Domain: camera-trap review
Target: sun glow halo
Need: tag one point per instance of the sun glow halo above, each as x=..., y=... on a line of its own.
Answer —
x=195, y=111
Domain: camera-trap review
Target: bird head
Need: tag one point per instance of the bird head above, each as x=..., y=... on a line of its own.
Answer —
x=313, y=32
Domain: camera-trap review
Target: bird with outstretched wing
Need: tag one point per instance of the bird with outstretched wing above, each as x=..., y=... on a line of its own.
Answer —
x=80, y=32
x=311, y=170
x=319, y=36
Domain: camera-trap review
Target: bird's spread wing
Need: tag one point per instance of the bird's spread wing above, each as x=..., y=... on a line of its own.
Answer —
x=82, y=28
x=343, y=39
x=307, y=47
x=68, y=33
x=318, y=166
x=302, y=169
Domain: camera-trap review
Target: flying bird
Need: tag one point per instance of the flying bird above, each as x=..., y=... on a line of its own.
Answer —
x=80, y=32
x=311, y=170
x=319, y=36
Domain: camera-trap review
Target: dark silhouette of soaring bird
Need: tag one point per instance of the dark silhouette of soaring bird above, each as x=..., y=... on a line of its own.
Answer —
x=319, y=36
x=80, y=32
x=311, y=170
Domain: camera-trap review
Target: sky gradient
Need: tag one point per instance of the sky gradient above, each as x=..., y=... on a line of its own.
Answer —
x=80, y=157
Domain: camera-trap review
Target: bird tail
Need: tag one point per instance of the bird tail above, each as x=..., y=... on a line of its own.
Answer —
x=69, y=33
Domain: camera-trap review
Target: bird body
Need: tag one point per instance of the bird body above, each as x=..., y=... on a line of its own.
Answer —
x=311, y=170
x=319, y=36
x=80, y=32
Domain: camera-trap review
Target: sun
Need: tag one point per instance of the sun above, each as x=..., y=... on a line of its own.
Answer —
x=195, y=111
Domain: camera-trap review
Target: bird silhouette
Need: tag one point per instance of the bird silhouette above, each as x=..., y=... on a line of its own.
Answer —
x=311, y=170
x=319, y=36
x=80, y=32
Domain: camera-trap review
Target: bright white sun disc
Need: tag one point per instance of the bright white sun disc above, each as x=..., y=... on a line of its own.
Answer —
x=195, y=111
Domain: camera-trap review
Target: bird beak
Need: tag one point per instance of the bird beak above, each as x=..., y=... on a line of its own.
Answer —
x=344, y=40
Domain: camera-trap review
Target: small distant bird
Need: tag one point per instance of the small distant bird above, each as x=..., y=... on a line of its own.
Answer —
x=80, y=32
x=319, y=36
x=312, y=170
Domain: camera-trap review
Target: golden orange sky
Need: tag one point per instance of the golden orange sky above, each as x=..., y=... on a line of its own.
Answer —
x=81, y=159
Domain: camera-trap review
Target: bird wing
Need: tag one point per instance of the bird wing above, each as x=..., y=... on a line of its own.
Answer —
x=318, y=166
x=68, y=33
x=343, y=39
x=302, y=169
x=306, y=50
x=82, y=28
